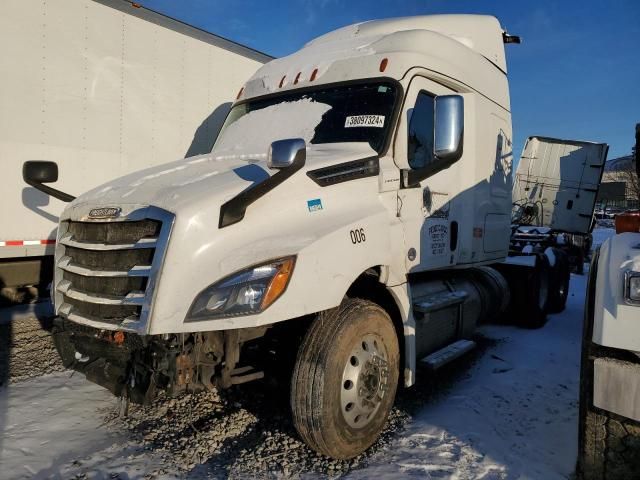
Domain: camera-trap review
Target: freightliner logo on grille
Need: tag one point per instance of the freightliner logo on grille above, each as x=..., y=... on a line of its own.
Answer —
x=106, y=212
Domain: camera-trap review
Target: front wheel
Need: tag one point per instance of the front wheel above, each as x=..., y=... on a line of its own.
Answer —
x=345, y=379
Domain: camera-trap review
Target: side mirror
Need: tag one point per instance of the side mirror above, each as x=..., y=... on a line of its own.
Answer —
x=38, y=172
x=449, y=127
x=285, y=153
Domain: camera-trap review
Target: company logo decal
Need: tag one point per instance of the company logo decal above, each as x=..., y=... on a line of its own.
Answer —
x=106, y=212
x=314, y=205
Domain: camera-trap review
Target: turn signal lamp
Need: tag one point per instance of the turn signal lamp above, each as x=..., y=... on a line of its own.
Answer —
x=279, y=283
x=383, y=64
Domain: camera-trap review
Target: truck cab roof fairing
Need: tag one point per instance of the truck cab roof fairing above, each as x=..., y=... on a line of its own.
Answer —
x=468, y=48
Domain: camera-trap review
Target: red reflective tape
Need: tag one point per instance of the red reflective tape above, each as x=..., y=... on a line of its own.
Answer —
x=22, y=243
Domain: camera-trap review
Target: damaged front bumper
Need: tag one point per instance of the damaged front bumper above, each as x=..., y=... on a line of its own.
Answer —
x=140, y=366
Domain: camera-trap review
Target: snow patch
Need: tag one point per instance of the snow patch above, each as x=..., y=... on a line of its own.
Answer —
x=255, y=131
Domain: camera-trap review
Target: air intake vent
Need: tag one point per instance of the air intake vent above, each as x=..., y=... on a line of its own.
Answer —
x=367, y=167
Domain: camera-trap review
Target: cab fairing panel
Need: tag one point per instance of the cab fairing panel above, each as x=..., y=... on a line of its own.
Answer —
x=446, y=58
x=481, y=33
x=616, y=324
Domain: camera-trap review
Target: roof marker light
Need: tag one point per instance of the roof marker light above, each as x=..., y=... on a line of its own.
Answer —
x=313, y=75
x=297, y=78
x=282, y=81
x=383, y=64
x=240, y=93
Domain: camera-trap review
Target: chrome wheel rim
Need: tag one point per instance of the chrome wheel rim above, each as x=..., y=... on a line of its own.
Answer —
x=364, y=381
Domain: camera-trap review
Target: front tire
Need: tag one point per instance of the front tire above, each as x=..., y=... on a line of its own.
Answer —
x=345, y=379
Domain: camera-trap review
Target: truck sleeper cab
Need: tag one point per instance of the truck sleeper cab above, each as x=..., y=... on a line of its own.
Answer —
x=349, y=221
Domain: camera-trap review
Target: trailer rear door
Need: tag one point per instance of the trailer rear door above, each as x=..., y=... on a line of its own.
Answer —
x=556, y=183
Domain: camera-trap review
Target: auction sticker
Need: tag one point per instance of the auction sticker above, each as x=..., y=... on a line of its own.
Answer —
x=364, y=121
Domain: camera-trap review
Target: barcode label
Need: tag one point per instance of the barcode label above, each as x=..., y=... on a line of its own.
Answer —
x=364, y=121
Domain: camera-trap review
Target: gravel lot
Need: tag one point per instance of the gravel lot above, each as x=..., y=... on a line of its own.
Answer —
x=26, y=348
x=247, y=431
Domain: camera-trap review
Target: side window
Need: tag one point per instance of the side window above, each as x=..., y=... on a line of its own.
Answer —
x=420, y=141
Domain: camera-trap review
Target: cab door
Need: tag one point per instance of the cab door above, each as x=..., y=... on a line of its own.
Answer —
x=427, y=203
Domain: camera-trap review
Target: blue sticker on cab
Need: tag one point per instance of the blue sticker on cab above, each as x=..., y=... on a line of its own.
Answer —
x=314, y=205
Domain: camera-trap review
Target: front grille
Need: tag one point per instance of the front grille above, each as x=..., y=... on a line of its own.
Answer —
x=105, y=260
x=114, y=314
x=105, y=270
x=114, y=232
x=108, y=286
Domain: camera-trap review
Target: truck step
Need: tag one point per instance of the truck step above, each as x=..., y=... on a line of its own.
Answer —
x=439, y=301
x=447, y=354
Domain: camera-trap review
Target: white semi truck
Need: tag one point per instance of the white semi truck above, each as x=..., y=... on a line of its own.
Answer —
x=353, y=219
x=103, y=88
x=609, y=439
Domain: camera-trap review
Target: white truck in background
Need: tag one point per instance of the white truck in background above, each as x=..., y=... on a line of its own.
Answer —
x=554, y=195
x=609, y=438
x=352, y=220
x=103, y=88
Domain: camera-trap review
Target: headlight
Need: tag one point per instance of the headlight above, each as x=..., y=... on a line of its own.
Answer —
x=632, y=287
x=246, y=292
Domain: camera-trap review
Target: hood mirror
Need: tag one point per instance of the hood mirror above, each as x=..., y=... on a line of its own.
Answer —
x=38, y=172
x=287, y=152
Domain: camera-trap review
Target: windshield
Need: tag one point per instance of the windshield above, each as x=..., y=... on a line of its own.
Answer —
x=342, y=113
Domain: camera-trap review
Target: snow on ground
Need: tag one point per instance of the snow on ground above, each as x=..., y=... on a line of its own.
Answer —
x=49, y=421
x=513, y=416
x=510, y=413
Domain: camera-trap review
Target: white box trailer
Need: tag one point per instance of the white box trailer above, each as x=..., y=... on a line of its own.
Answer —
x=557, y=182
x=554, y=195
x=103, y=88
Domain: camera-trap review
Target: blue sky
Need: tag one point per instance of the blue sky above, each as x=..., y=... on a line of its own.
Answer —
x=576, y=75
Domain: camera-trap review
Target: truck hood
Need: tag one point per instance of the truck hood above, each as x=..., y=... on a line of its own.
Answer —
x=213, y=177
